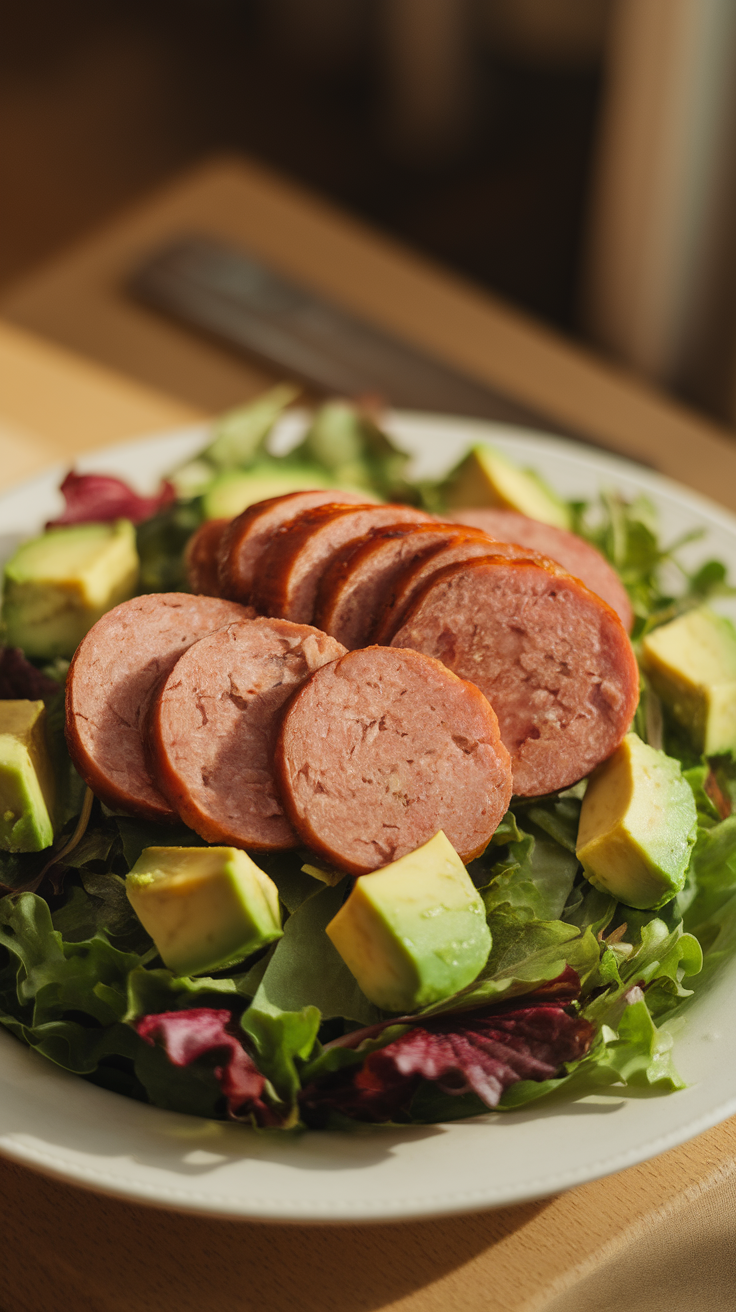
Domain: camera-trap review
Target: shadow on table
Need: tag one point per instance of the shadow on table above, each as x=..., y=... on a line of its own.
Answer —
x=65, y=1247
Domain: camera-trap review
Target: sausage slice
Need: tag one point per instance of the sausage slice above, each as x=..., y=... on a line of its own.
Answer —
x=354, y=587
x=552, y=658
x=214, y=723
x=380, y=750
x=570, y=551
x=200, y=557
x=115, y=671
x=466, y=544
x=250, y=532
x=292, y=566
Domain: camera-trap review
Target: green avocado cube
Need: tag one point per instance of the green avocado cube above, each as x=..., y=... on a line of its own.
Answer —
x=691, y=664
x=486, y=477
x=415, y=931
x=26, y=778
x=204, y=907
x=637, y=826
x=235, y=489
x=58, y=585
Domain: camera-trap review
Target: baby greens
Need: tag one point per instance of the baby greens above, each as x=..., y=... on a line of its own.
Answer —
x=578, y=992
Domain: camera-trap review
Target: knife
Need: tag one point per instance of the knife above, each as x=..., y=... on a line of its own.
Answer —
x=222, y=291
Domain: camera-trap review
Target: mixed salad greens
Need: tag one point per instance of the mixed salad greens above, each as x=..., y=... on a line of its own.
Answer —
x=575, y=982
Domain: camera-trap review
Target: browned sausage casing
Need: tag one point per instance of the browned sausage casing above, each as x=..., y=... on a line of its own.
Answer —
x=292, y=566
x=200, y=557
x=354, y=587
x=465, y=545
x=248, y=535
x=214, y=723
x=115, y=671
x=570, y=551
x=552, y=658
x=380, y=750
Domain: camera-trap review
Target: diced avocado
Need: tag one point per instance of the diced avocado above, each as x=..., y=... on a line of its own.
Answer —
x=58, y=585
x=487, y=478
x=414, y=932
x=204, y=907
x=236, y=489
x=691, y=663
x=26, y=778
x=637, y=826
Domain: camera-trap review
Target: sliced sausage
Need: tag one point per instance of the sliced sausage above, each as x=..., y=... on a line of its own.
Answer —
x=466, y=545
x=573, y=553
x=553, y=659
x=292, y=566
x=383, y=748
x=200, y=557
x=355, y=586
x=115, y=671
x=249, y=533
x=214, y=723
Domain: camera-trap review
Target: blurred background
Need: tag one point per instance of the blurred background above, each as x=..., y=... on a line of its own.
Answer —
x=574, y=156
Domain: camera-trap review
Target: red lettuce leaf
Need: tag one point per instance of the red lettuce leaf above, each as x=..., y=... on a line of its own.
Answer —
x=204, y=1032
x=481, y=1052
x=19, y=680
x=97, y=498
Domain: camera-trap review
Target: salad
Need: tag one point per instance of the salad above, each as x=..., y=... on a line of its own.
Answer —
x=579, y=989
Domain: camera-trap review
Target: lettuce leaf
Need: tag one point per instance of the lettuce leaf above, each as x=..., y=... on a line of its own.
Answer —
x=20, y=680
x=66, y=1000
x=54, y=977
x=348, y=443
x=92, y=498
x=637, y=1052
x=282, y=1040
x=305, y=970
x=239, y=436
x=627, y=534
x=160, y=541
x=477, y=1053
x=537, y=874
x=203, y=1042
x=711, y=914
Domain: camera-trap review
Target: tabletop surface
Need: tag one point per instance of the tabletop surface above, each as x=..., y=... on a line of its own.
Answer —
x=657, y=1235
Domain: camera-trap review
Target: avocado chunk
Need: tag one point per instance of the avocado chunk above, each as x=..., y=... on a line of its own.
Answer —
x=691, y=664
x=637, y=826
x=58, y=585
x=204, y=907
x=487, y=478
x=236, y=489
x=26, y=778
x=415, y=931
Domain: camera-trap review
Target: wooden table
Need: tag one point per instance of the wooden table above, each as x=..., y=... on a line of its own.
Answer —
x=660, y=1235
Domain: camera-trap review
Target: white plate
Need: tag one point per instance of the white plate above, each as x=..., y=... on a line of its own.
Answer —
x=61, y=1125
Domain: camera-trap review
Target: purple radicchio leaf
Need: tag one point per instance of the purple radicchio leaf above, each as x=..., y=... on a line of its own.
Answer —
x=98, y=498
x=483, y=1051
x=188, y=1036
x=19, y=680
